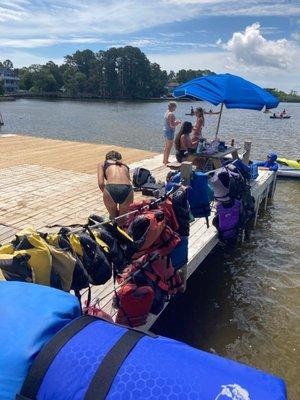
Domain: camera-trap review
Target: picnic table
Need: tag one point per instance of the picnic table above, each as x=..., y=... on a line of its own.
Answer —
x=201, y=159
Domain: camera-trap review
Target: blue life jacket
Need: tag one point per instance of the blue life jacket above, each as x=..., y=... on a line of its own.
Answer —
x=179, y=255
x=198, y=195
x=95, y=360
x=30, y=315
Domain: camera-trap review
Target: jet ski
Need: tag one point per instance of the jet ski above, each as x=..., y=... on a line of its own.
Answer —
x=288, y=168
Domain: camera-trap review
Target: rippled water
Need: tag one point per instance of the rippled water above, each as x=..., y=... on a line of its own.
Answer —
x=246, y=305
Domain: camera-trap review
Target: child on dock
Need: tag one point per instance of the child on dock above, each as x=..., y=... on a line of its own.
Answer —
x=117, y=191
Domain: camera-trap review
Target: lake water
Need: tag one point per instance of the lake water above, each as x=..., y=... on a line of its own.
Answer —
x=246, y=305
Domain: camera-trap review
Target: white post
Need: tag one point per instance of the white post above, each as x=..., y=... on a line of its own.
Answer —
x=186, y=170
x=247, y=148
x=219, y=120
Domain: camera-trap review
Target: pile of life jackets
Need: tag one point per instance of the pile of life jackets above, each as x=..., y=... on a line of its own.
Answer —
x=235, y=204
x=198, y=193
x=66, y=260
x=160, y=233
x=139, y=259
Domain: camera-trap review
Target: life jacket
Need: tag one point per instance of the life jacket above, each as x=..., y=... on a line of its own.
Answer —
x=179, y=255
x=198, y=195
x=167, y=207
x=156, y=271
x=253, y=171
x=92, y=256
x=133, y=304
x=146, y=229
x=29, y=258
x=96, y=359
x=119, y=244
x=59, y=242
x=228, y=220
x=181, y=209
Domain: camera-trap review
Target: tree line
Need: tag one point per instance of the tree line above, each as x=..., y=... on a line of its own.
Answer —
x=123, y=72
x=291, y=97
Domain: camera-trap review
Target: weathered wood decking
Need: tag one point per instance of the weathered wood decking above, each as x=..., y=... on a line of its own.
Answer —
x=41, y=194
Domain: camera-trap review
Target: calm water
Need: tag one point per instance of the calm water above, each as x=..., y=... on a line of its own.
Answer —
x=245, y=306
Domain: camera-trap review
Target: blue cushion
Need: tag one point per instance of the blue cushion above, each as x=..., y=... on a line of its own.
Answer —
x=30, y=315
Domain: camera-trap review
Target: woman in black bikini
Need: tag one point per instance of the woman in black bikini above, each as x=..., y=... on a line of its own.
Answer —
x=117, y=191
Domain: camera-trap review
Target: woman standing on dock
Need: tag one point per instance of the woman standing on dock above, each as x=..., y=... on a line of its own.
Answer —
x=170, y=123
x=197, y=128
x=117, y=191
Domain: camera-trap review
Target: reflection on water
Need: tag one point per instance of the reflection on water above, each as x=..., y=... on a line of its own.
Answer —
x=245, y=305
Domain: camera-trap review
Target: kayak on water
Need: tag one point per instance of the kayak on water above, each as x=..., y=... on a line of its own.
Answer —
x=280, y=117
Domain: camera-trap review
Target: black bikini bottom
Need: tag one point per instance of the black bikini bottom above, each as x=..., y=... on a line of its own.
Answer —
x=118, y=191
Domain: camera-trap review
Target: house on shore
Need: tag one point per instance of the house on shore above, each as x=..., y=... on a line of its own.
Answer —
x=10, y=80
x=170, y=87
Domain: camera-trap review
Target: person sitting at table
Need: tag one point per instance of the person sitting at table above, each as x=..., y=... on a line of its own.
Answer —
x=183, y=144
x=270, y=164
x=197, y=128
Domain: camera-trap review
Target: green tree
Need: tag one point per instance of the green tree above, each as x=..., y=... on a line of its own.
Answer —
x=8, y=64
x=1, y=87
x=159, y=80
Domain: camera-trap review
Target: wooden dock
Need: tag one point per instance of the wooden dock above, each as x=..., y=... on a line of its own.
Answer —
x=50, y=188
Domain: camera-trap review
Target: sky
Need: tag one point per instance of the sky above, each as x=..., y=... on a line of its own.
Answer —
x=256, y=39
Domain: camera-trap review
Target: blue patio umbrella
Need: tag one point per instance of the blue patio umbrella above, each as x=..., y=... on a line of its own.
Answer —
x=231, y=90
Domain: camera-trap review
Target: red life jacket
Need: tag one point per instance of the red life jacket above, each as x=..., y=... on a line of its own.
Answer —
x=134, y=304
x=167, y=207
x=162, y=273
x=155, y=223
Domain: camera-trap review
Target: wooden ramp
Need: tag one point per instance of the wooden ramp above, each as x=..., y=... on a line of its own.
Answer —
x=39, y=195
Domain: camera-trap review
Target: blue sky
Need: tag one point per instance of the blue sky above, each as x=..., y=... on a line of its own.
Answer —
x=259, y=40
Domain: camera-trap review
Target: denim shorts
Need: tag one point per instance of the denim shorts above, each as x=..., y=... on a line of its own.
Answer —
x=169, y=134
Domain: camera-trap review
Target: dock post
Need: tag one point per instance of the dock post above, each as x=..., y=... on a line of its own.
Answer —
x=186, y=170
x=256, y=211
x=273, y=186
x=246, y=154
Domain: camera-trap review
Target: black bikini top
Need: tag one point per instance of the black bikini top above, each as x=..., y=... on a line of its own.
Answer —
x=107, y=164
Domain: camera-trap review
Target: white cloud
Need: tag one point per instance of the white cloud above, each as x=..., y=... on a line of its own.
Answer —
x=252, y=49
x=219, y=62
x=62, y=19
x=296, y=36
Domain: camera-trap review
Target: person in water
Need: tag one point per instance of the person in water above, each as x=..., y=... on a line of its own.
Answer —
x=197, y=128
x=192, y=111
x=183, y=144
x=117, y=190
x=170, y=123
x=270, y=164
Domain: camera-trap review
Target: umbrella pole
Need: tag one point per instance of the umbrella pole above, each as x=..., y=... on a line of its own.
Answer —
x=219, y=120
